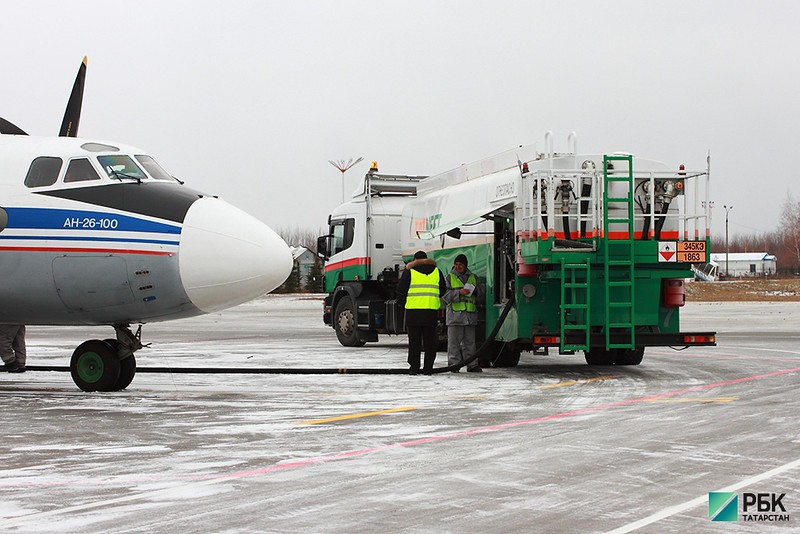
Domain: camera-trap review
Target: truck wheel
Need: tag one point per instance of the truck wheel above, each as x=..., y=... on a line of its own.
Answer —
x=345, y=324
x=629, y=356
x=503, y=355
x=600, y=357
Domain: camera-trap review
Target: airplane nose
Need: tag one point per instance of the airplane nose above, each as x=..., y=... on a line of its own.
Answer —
x=228, y=257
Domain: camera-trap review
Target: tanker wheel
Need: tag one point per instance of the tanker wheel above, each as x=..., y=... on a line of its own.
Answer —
x=629, y=356
x=345, y=324
x=600, y=357
x=95, y=366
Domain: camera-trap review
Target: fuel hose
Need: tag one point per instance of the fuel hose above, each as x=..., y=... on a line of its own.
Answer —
x=484, y=351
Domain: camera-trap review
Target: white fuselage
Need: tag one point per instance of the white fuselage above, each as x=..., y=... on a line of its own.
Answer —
x=96, y=233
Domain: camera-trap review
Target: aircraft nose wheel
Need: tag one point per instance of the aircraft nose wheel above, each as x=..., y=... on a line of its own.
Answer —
x=127, y=366
x=95, y=366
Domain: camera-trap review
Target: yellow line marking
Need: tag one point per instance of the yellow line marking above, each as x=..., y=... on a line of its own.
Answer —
x=698, y=399
x=462, y=397
x=575, y=382
x=358, y=415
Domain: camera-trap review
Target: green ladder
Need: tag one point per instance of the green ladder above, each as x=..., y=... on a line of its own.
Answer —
x=575, y=277
x=618, y=267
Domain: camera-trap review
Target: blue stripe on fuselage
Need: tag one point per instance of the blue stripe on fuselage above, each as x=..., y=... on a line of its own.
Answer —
x=61, y=219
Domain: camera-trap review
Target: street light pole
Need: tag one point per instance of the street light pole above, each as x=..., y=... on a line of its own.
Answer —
x=343, y=167
x=727, y=210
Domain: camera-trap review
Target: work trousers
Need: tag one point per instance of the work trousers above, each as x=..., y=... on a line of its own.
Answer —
x=461, y=345
x=419, y=337
x=12, y=343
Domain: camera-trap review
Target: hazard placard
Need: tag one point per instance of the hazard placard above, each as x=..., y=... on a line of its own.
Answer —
x=692, y=257
x=667, y=251
x=691, y=246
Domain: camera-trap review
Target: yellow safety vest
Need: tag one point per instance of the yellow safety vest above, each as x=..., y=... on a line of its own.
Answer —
x=423, y=293
x=467, y=302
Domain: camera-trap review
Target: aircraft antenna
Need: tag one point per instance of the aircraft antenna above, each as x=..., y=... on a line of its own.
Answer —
x=343, y=167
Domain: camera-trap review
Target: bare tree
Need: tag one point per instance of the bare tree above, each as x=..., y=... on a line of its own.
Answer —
x=304, y=237
x=790, y=225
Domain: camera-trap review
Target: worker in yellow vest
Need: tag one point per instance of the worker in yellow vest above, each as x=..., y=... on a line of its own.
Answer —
x=462, y=297
x=421, y=287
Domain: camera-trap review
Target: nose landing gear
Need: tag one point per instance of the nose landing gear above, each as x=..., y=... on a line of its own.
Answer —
x=106, y=365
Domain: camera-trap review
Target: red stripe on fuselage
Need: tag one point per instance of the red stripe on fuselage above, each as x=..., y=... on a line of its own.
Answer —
x=98, y=250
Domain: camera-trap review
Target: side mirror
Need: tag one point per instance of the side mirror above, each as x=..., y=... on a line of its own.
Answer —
x=323, y=251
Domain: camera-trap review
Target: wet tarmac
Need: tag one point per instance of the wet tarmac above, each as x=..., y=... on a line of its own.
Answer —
x=550, y=446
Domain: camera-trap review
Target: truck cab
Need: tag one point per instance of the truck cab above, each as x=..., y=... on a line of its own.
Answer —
x=363, y=259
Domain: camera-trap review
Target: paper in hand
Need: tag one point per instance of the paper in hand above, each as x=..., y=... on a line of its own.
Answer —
x=470, y=288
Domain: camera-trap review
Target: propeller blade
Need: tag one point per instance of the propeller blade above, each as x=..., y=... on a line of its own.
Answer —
x=72, y=115
x=9, y=128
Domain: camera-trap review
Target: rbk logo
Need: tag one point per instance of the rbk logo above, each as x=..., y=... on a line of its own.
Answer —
x=723, y=506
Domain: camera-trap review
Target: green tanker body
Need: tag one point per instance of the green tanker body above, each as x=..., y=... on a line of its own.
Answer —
x=589, y=251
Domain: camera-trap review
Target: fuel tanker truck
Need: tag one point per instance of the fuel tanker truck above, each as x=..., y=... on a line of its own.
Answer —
x=579, y=252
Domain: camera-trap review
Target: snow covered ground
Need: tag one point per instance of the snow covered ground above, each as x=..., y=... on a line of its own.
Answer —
x=550, y=446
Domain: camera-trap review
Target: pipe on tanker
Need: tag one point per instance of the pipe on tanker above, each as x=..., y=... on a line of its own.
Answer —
x=565, y=223
x=586, y=190
x=646, y=223
x=661, y=219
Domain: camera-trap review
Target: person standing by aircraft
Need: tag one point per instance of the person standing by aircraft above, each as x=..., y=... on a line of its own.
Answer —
x=421, y=287
x=12, y=347
x=462, y=295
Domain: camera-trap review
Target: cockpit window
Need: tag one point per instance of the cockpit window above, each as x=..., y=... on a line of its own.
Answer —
x=80, y=170
x=155, y=170
x=120, y=167
x=43, y=172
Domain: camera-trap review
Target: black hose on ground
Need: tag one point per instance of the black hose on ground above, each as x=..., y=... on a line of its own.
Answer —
x=487, y=344
x=482, y=351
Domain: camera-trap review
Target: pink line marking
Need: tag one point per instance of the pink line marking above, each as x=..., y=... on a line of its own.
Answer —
x=411, y=443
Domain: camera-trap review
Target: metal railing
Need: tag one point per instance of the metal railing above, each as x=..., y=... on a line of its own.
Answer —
x=542, y=190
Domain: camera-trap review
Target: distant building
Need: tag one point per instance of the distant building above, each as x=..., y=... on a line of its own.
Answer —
x=746, y=263
x=305, y=259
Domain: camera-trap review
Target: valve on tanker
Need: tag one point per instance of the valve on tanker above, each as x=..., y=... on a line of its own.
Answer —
x=647, y=196
x=665, y=190
x=671, y=190
x=539, y=185
x=565, y=190
x=542, y=201
x=543, y=190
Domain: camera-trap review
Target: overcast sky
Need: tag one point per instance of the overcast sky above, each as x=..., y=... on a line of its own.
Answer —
x=250, y=99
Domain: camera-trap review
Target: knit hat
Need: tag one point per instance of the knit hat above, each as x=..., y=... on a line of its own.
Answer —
x=461, y=259
x=420, y=255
